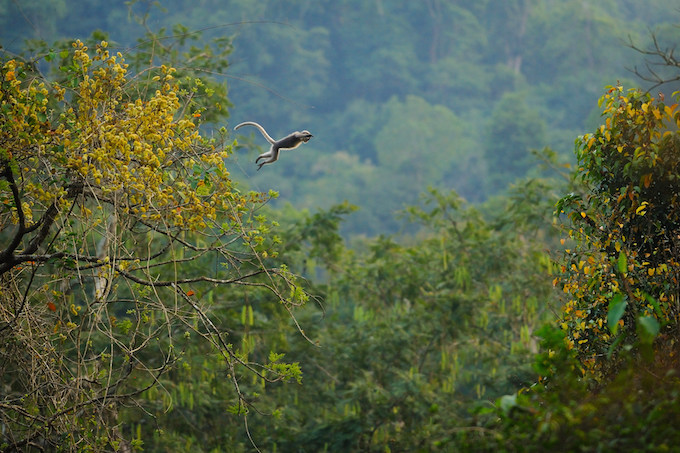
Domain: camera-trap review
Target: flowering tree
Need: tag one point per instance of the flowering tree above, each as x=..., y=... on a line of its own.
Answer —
x=119, y=225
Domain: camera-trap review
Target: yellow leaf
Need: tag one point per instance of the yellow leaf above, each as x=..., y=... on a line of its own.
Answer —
x=641, y=209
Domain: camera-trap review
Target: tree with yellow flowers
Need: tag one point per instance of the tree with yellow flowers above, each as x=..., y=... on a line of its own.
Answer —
x=119, y=224
x=622, y=274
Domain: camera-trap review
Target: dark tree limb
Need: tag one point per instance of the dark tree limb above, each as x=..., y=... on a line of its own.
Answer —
x=8, y=257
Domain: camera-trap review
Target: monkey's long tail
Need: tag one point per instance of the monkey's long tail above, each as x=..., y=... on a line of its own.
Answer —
x=261, y=129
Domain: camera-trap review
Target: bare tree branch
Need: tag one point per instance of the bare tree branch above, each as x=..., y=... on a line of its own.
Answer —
x=660, y=57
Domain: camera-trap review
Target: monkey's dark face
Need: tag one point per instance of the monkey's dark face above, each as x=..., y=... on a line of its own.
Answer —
x=306, y=136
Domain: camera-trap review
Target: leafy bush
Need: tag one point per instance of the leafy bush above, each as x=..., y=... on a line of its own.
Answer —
x=622, y=274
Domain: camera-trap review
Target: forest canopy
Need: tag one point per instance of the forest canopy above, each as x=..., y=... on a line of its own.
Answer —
x=350, y=72
x=477, y=251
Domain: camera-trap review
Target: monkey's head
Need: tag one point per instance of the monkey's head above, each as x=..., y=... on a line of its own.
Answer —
x=305, y=136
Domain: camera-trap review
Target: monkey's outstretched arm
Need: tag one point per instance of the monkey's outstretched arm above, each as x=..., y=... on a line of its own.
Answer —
x=264, y=133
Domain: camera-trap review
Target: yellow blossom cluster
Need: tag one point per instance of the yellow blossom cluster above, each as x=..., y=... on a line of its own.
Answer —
x=24, y=126
x=136, y=152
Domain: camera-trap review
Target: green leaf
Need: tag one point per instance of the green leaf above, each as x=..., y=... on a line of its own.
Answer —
x=614, y=346
x=275, y=357
x=617, y=307
x=622, y=263
x=653, y=302
x=238, y=409
x=205, y=188
x=507, y=402
x=648, y=328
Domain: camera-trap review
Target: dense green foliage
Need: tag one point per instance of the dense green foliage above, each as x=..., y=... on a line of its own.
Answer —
x=487, y=323
x=622, y=276
x=416, y=335
x=611, y=372
x=637, y=410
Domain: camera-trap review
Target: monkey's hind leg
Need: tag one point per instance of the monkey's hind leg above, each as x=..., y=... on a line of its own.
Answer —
x=269, y=159
x=266, y=155
x=271, y=156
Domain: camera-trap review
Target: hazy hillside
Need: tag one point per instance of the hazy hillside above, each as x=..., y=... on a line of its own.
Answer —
x=399, y=95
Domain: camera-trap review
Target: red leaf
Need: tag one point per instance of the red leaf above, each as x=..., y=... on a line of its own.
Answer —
x=190, y=292
x=51, y=306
